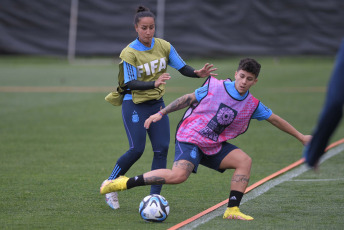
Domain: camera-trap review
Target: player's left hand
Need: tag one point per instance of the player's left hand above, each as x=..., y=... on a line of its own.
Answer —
x=206, y=71
x=153, y=118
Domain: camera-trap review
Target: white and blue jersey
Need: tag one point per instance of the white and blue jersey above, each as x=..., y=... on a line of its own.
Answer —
x=130, y=71
x=261, y=113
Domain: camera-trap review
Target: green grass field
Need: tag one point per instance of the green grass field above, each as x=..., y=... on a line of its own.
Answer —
x=59, y=139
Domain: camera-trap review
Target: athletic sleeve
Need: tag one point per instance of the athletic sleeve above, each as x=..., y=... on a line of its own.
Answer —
x=130, y=72
x=201, y=92
x=262, y=112
x=130, y=78
x=188, y=71
x=175, y=60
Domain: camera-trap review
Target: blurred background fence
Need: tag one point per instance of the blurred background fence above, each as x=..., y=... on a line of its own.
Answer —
x=197, y=28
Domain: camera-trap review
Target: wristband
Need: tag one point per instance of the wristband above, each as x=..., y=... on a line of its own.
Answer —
x=161, y=113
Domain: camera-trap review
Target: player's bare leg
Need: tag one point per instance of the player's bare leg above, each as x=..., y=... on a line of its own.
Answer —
x=179, y=173
x=241, y=162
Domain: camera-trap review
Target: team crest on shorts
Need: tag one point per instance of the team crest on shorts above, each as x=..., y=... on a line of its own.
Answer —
x=135, y=117
x=193, y=153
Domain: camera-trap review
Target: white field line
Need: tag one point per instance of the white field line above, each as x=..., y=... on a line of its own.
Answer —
x=263, y=188
x=316, y=180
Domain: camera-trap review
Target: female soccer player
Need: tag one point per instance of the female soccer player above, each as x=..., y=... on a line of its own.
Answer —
x=219, y=111
x=142, y=78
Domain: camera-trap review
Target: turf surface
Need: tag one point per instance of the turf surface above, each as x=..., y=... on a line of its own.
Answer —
x=57, y=147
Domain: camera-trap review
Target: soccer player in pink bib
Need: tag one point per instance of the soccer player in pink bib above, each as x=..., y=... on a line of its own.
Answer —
x=218, y=111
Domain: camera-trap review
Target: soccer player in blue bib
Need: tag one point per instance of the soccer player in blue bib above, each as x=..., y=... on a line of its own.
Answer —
x=142, y=78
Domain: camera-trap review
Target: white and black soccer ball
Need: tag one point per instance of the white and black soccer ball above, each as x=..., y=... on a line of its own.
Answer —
x=154, y=208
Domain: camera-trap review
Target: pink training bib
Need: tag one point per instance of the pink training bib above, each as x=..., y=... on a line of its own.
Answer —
x=216, y=118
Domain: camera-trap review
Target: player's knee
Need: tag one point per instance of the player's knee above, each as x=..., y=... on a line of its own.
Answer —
x=161, y=151
x=249, y=160
x=179, y=178
x=246, y=162
x=136, y=153
x=160, y=154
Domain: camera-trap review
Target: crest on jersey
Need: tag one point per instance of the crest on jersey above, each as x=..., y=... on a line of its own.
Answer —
x=222, y=119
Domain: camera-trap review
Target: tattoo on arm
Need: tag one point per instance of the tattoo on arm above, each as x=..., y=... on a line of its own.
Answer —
x=186, y=165
x=154, y=180
x=240, y=179
x=180, y=103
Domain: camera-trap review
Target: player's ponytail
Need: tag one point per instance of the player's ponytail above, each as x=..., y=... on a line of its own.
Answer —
x=141, y=9
x=142, y=12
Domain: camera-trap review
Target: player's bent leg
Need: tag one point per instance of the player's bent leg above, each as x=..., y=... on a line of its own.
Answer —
x=241, y=162
x=179, y=173
x=237, y=159
x=234, y=213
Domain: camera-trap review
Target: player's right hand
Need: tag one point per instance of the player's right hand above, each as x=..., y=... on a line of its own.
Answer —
x=162, y=79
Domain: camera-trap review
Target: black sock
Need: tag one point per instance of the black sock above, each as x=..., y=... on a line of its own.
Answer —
x=235, y=198
x=135, y=181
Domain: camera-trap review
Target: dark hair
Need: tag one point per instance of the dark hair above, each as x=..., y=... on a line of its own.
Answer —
x=250, y=65
x=142, y=12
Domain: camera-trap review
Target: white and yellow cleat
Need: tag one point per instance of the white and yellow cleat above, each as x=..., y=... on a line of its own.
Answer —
x=118, y=184
x=235, y=214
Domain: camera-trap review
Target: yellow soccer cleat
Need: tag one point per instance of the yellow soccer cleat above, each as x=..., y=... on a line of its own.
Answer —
x=234, y=213
x=118, y=184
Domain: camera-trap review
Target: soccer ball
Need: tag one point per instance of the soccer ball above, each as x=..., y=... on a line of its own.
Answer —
x=154, y=208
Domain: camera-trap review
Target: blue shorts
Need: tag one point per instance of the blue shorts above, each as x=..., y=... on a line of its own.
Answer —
x=190, y=152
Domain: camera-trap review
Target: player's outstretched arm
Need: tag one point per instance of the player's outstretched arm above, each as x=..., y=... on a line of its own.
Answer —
x=180, y=103
x=288, y=128
x=206, y=71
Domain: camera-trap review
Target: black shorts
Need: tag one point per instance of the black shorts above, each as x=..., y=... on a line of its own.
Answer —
x=190, y=152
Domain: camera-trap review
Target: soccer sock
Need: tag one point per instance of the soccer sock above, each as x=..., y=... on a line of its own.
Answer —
x=235, y=198
x=135, y=181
